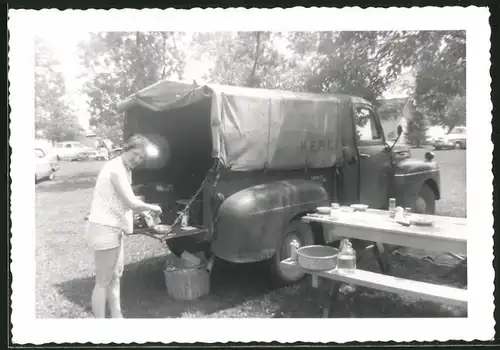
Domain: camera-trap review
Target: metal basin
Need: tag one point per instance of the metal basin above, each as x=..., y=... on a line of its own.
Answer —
x=317, y=257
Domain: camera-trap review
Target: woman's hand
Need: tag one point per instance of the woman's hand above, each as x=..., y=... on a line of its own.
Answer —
x=156, y=209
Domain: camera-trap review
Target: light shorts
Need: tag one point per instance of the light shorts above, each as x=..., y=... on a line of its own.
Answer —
x=107, y=244
x=102, y=237
x=108, y=265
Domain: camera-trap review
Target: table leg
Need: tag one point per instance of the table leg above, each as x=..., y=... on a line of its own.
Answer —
x=382, y=257
x=333, y=294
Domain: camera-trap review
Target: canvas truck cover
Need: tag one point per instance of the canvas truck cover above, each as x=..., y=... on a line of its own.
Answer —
x=255, y=129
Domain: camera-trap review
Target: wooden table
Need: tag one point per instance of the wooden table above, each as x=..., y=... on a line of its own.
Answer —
x=448, y=234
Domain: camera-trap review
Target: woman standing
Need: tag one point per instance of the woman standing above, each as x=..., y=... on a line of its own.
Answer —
x=110, y=217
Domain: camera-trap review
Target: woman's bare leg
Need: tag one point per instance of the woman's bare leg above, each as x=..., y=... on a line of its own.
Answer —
x=105, y=264
x=99, y=301
x=113, y=291
x=113, y=296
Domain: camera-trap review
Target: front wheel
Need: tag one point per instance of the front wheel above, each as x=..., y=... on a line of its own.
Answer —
x=426, y=201
x=302, y=233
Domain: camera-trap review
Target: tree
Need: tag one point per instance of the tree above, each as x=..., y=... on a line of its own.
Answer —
x=455, y=112
x=241, y=58
x=364, y=64
x=440, y=80
x=122, y=63
x=416, y=129
x=54, y=118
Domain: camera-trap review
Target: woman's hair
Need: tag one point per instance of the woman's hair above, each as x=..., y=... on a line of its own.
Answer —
x=135, y=142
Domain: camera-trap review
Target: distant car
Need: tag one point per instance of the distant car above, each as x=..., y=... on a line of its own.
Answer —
x=72, y=150
x=46, y=166
x=97, y=154
x=457, y=139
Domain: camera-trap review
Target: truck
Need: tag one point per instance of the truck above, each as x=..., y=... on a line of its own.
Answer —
x=247, y=164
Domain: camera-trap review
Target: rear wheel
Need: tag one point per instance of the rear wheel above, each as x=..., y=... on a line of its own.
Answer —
x=302, y=233
x=426, y=201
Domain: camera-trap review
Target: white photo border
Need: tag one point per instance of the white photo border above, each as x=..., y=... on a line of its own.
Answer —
x=479, y=325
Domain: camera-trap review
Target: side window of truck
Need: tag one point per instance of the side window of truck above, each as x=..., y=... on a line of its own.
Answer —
x=366, y=125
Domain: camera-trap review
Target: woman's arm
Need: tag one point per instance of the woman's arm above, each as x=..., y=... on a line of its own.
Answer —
x=124, y=189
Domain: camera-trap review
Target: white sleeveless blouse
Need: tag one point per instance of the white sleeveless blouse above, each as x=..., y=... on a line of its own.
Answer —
x=109, y=215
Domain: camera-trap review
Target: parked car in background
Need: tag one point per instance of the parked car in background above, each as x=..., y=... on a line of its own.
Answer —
x=94, y=154
x=457, y=139
x=46, y=166
x=72, y=150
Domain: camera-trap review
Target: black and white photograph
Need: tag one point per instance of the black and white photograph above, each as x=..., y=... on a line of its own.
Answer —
x=321, y=175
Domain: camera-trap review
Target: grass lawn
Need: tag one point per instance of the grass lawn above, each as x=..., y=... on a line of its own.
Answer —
x=64, y=277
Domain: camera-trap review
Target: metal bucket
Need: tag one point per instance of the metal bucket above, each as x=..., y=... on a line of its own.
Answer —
x=317, y=257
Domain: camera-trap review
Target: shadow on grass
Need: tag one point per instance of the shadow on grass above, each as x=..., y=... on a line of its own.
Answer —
x=242, y=291
x=302, y=301
x=144, y=294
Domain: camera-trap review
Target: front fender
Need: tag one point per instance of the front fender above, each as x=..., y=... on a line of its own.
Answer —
x=410, y=175
x=251, y=221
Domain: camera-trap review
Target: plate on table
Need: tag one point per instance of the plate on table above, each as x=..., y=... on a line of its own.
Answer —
x=359, y=207
x=323, y=210
x=421, y=222
x=162, y=229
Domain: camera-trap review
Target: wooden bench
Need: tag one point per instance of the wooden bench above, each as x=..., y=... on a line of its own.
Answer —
x=427, y=291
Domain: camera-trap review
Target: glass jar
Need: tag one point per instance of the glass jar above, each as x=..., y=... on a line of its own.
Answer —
x=392, y=207
x=346, y=259
x=407, y=211
x=294, y=245
x=151, y=219
x=333, y=210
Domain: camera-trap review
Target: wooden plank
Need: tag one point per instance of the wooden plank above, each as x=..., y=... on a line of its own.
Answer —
x=428, y=291
x=442, y=236
x=177, y=231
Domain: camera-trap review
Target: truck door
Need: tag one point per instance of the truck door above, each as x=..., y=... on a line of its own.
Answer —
x=374, y=159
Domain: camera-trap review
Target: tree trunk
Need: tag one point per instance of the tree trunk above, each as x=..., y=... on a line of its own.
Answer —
x=142, y=75
x=251, y=80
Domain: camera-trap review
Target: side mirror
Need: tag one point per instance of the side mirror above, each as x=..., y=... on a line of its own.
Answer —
x=429, y=156
x=400, y=131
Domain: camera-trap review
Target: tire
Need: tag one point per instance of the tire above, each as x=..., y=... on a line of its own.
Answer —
x=458, y=145
x=304, y=235
x=425, y=202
